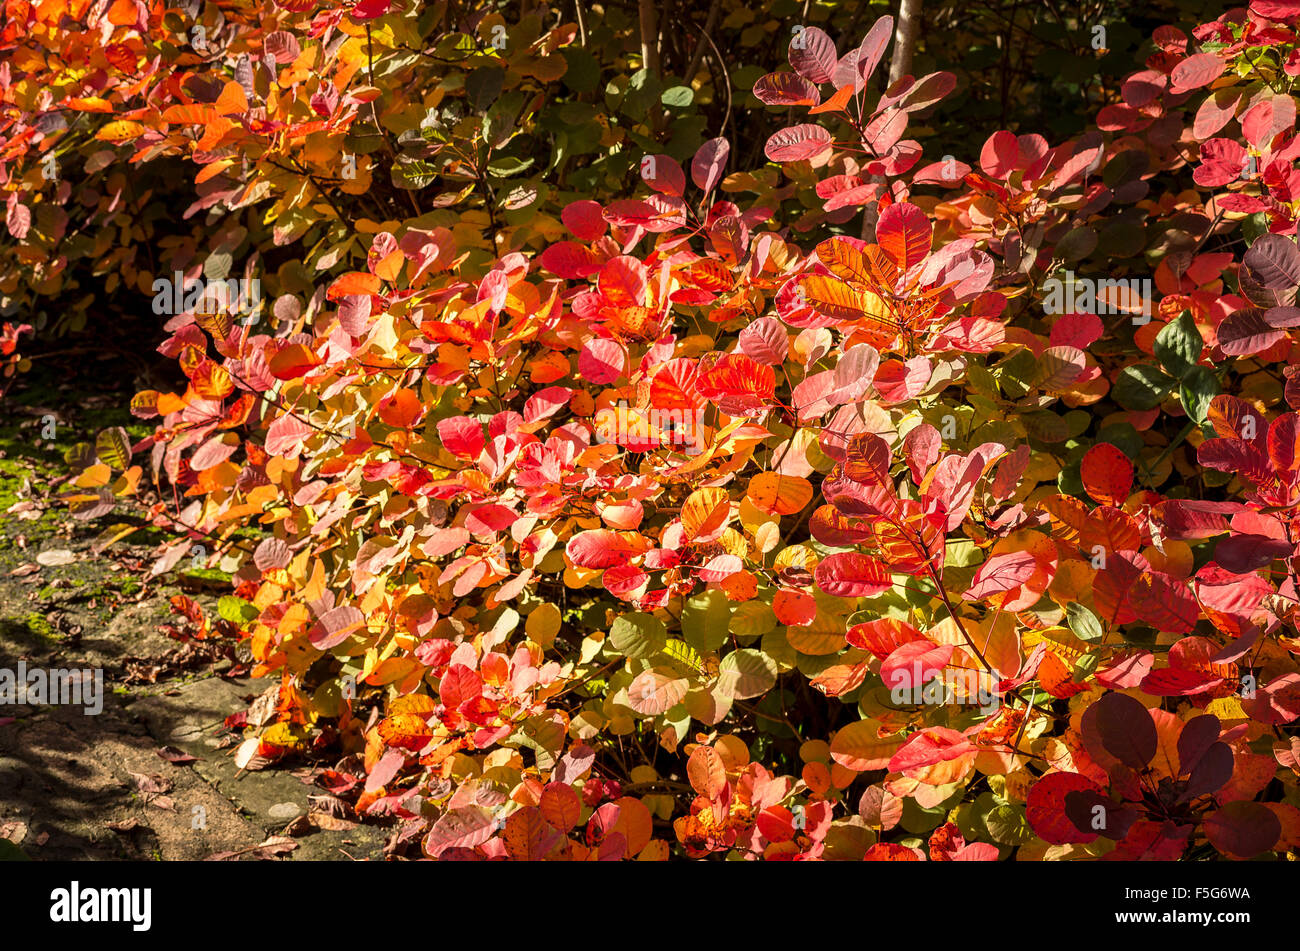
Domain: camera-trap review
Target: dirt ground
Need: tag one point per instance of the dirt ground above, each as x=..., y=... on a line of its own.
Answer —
x=151, y=776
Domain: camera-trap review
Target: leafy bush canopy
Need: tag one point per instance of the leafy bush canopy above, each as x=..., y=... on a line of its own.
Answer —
x=625, y=495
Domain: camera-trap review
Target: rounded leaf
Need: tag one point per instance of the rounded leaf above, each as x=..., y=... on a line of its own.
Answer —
x=745, y=673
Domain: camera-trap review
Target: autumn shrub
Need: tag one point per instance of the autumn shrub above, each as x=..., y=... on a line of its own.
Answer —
x=622, y=500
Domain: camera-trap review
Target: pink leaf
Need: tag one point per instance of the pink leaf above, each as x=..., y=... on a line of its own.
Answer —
x=709, y=163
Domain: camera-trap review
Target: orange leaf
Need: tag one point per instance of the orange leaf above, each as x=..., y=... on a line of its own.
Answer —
x=705, y=514
x=780, y=495
x=293, y=361
x=402, y=409
x=353, y=283
x=189, y=115
x=232, y=99
x=90, y=104
x=835, y=103
x=706, y=771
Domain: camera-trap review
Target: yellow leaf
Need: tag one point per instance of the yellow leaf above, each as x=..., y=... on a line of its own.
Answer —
x=120, y=131
x=860, y=747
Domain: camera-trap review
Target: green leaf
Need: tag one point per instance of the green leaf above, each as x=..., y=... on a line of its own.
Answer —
x=1141, y=387
x=1083, y=622
x=638, y=635
x=583, y=73
x=752, y=618
x=684, y=658
x=1016, y=374
x=705, y=620
x=509, y=165
x=1254, y=226
x=236, y=610
x=483, y=85
x=1078, y=243
x=11, y=853
x=501, y=121
x=1123, y=437
x=113, y=446
x=678, y=97
x=1008, y=825
x=79, y=456
x=745, y=673
x=1178, y=345
x=413, y=174
x=1084, y=666
x=1200, y=386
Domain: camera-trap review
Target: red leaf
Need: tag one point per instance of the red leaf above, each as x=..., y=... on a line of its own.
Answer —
x=999, y=156
x=292, y=362
x=1045, y=809
x=914, y=664
x=1000, y=573
x=623, y=282
x=584, y=219
x=873, y=48
x=1246, y=332
x=738, y=384
x=1243, y=829
x=812, y=54
x=601, y=361
x=1125, y=729
x=890, y=852
x=786, y=89
x=867, y=460
x=937, y=744
x=904, y=233
x=1164, y=602
x=794, y=608
x=852, y=575
x=1125, y=672
x=1284, y=442
x=883, y=636
x=765, y=341
x=797, y=143
x=1198, y=70
x=461, y=436
x=1107, y=474
x=663, y=174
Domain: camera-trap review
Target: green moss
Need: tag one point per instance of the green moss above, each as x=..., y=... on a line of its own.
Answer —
x=207, y=574
x=40, y=626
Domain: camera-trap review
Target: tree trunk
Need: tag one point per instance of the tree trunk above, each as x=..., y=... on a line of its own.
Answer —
x=649, y=36
x=905, y=34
